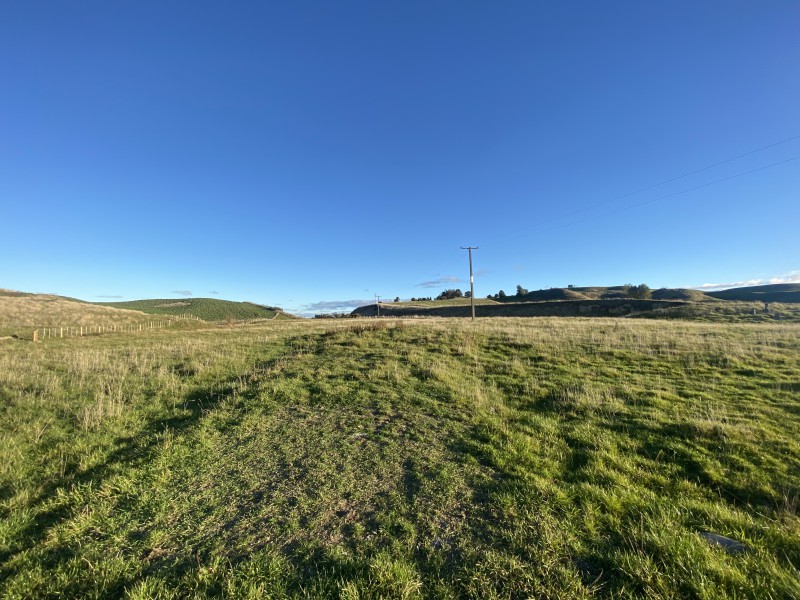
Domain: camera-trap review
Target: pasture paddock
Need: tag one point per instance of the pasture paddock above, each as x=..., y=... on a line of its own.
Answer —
x=560, y=458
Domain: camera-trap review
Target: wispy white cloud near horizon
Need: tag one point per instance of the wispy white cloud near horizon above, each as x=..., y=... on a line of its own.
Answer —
x=439, y=281
x=790, y=277
x=329, y=306
x=182, y=292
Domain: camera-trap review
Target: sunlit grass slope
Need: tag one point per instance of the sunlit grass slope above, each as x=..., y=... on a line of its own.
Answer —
x=207, y=309
x=544, y=458
x=21, y=313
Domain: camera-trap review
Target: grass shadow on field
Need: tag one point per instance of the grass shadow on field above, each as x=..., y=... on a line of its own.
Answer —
x=707, y=458
x=712, y=453
x=724, y=459
x=129, y=452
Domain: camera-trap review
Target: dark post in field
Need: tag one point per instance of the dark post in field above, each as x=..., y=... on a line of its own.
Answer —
x=378, y=304
x=471, y=280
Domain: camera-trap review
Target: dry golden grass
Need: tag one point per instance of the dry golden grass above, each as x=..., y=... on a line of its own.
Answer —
x=53, y=311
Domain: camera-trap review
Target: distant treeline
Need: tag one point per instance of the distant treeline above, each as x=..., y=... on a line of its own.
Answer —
x=638, y=292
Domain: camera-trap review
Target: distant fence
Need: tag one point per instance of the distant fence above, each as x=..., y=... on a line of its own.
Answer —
x=186, y=316
x=61, y=332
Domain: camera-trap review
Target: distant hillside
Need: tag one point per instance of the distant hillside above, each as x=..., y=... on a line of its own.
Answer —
x=207, y=309
x=548, y=296
x=600, y=292
x=556, y=308
x=599, y=301
x=17, y=294
x=603, y=293
x=13, y=293
x=781, y=292
x=681, y=294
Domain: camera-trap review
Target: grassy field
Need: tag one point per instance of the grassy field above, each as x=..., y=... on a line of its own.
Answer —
x=546, y=458
x=207, y=309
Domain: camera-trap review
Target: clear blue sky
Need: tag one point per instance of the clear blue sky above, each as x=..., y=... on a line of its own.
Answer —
x=313, y=154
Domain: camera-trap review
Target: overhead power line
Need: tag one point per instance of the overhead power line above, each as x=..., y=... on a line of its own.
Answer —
x=691, y=189
x=531, y=229
x=649, y=187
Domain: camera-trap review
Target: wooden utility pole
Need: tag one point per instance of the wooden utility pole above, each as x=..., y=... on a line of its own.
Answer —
x=471, y=280
x=378, y=304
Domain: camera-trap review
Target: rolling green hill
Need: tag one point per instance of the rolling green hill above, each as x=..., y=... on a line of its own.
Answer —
x=781, y=292
x=207, y=309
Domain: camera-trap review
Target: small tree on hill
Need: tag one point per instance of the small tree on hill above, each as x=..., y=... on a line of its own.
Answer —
x=521, y=291
x=640, y=292
x=450, y=294
x=501, y=294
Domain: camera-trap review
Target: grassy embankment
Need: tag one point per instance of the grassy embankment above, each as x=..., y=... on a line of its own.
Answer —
x=545, y=457
x=21, y=313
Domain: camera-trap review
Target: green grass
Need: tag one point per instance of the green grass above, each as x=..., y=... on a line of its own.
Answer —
x=546, y=458
x=728, y=311
x=207, y=309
